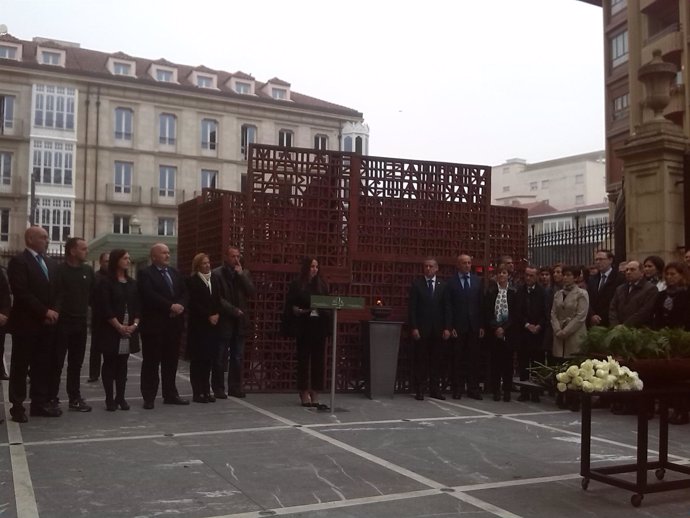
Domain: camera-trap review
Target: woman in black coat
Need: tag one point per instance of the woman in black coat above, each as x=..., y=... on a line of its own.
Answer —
x=310, y=327
x=500, y=315
x=119, y=313
x=203, y=335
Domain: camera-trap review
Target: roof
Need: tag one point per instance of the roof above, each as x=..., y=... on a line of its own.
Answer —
x=580, y=209
x=593, y=156
x=93, y=64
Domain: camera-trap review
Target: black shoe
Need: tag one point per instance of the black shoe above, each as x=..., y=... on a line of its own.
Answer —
x=3, y=373
x=506, y=397
x=45, y=411
x=79, y=405
x=438, y=395
x=110, y=406
x=210, y=398
x=18, y=414
x=177, y=400
x=237, y=393
x=92, y=380
x=220, y=395
x=457, y=395
x=497, y=396
x=419, y=396
x=197, y=399
x=524, y=396
x=148, y=405
x=475, y=395
x=320, y=406
x=123, y=404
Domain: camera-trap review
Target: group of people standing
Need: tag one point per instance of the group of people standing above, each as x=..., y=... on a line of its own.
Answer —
x=484, y=323
x=45, y=307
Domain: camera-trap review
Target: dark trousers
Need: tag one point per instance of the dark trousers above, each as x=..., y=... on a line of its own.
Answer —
x=35, y=351
x=501, y=364
x=160, y=350
x=230, y=358
x=114, y=371
x=94, y=354
x=529, y=349
x=71, y=343
x=427, y=364
x=311, y=352
x=203, y=355
x=466, y=363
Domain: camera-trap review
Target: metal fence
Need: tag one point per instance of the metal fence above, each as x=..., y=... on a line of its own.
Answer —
x=570, y=246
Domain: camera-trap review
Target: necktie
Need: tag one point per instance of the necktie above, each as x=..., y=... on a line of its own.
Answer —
x=602, y=281
x=43, y=266
x=168, y=280
x=465, y=281
x=430, y=286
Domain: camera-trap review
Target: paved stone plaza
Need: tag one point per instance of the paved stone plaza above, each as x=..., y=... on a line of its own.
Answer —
x=266, y=455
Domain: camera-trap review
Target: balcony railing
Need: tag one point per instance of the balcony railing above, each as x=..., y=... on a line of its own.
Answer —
x=167, y=197
x=128, y=194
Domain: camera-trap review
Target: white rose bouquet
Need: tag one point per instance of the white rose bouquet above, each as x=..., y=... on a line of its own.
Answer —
x=598, y=376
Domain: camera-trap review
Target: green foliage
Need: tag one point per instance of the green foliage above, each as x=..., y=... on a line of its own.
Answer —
x=630, y=343
x=544, y=374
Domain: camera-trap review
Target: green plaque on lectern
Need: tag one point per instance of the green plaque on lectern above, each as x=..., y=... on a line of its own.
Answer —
x=336, y=302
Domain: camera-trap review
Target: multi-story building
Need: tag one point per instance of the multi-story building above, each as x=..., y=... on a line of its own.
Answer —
x=563, y=183
x=633, y=29
x=107, y=145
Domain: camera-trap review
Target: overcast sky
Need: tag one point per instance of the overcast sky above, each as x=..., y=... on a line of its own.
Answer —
x=472, y=81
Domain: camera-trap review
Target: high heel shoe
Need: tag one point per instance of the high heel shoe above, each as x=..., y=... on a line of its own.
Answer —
x=304, y=399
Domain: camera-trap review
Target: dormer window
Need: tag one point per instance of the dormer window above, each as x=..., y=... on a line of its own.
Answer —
x=204, y=81
x=9, y=51
x=51, y=57
x=243, y=88
x=121, y=67
x=279, y=93
x=163, y=74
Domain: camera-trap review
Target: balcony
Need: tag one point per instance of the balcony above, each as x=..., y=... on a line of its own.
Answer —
x=117, y=194
x=668, y=41
x=12, y=128
x=166, y=197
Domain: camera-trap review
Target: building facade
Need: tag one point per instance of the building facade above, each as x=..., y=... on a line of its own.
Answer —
x=563, y=183
x=113, y=143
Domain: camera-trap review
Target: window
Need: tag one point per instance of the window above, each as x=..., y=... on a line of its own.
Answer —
x=579, y=179
x=619, y=49
x=347, y=143
x=166, y=181
x=166, y=128
x=321, y=142
x=209, y=178
x=53, y=162
x=208, y=134
x=55, y=216
x=120, y=224
x=579, y=199
x=165, y=76
x=544, y=184
x=285, y=138
x=554, y=225
x=122, y=69
x=279, y=93
x=618, y=5
x=123, y=123
x=4, y=225
x=8, y=52
x=166, y=226
x=243, y=88
x=620, y=106
x=7, y=111
x=533, y=186
x=204, y=81
x=50, y=58
x=123, y=177
x=506, y=188
x=5, y=168
x=54, y=107
x=248, y=137
x=597, y=220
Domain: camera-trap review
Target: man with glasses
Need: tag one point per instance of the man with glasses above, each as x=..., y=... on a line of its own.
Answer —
x=601, y=288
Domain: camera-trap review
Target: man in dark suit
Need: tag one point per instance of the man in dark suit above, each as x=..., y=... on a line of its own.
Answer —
x=430, y=321
x=164, y=297
x=531, y=322
x=5, y=304
x=465, y=290
x=236, y=288
x=601, y=288
x=32, y=322
x=633, y=302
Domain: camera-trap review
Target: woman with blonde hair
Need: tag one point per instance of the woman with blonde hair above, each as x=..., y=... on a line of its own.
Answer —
x=203, y=337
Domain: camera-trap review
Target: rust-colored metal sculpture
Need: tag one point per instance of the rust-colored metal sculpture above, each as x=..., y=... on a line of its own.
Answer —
x=370, y=221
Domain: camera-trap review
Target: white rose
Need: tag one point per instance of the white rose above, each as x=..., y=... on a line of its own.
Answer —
x=577, y=381
x=562, y=377
x=572, y=371
x=587, y=386
x=602, y=374
x=562, y=387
